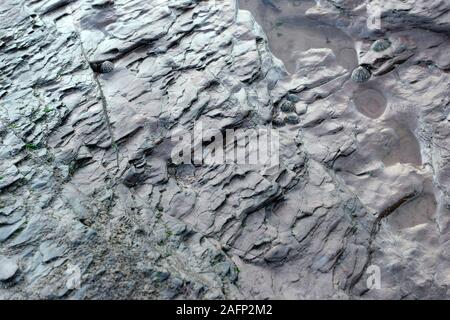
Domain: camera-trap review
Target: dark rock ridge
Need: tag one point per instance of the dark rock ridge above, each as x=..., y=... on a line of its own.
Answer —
x=87, y=186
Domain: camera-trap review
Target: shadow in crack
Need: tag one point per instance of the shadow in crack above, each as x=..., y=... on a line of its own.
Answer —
x=418, y=211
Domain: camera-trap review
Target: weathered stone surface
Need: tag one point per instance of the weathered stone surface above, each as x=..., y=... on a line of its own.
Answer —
x=8, y=268
x=87, y=184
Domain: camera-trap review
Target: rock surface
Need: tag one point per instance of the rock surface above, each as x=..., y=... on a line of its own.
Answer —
x=88, y=188
x=8, y=268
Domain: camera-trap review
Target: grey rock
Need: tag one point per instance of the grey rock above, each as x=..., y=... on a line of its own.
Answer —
x=362, y=179
x=7, y=231
x=50, y=251
x=8, y=268
x=223, y=268
x=160, y=275
x=9, y=176
x=277, y=253
x=133, y=176
x=301, y=108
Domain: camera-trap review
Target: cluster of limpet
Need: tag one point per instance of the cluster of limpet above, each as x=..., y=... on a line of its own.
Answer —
x=287, y=111
x=362, y=73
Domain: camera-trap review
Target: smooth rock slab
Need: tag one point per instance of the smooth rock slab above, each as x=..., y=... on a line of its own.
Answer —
x=50, y=251
x=370, y=102
x=8, y=268
x=277, y=253
x=9, y=176
x=8, y=230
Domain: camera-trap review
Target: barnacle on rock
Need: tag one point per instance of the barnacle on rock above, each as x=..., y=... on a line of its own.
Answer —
x=292, y=118
x=292, y=98
x=287, y=106
x=361, y=74
x=106, y=67
x=381, y=45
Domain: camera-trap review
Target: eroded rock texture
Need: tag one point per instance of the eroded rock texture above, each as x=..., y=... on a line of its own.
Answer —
x=91, y=92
